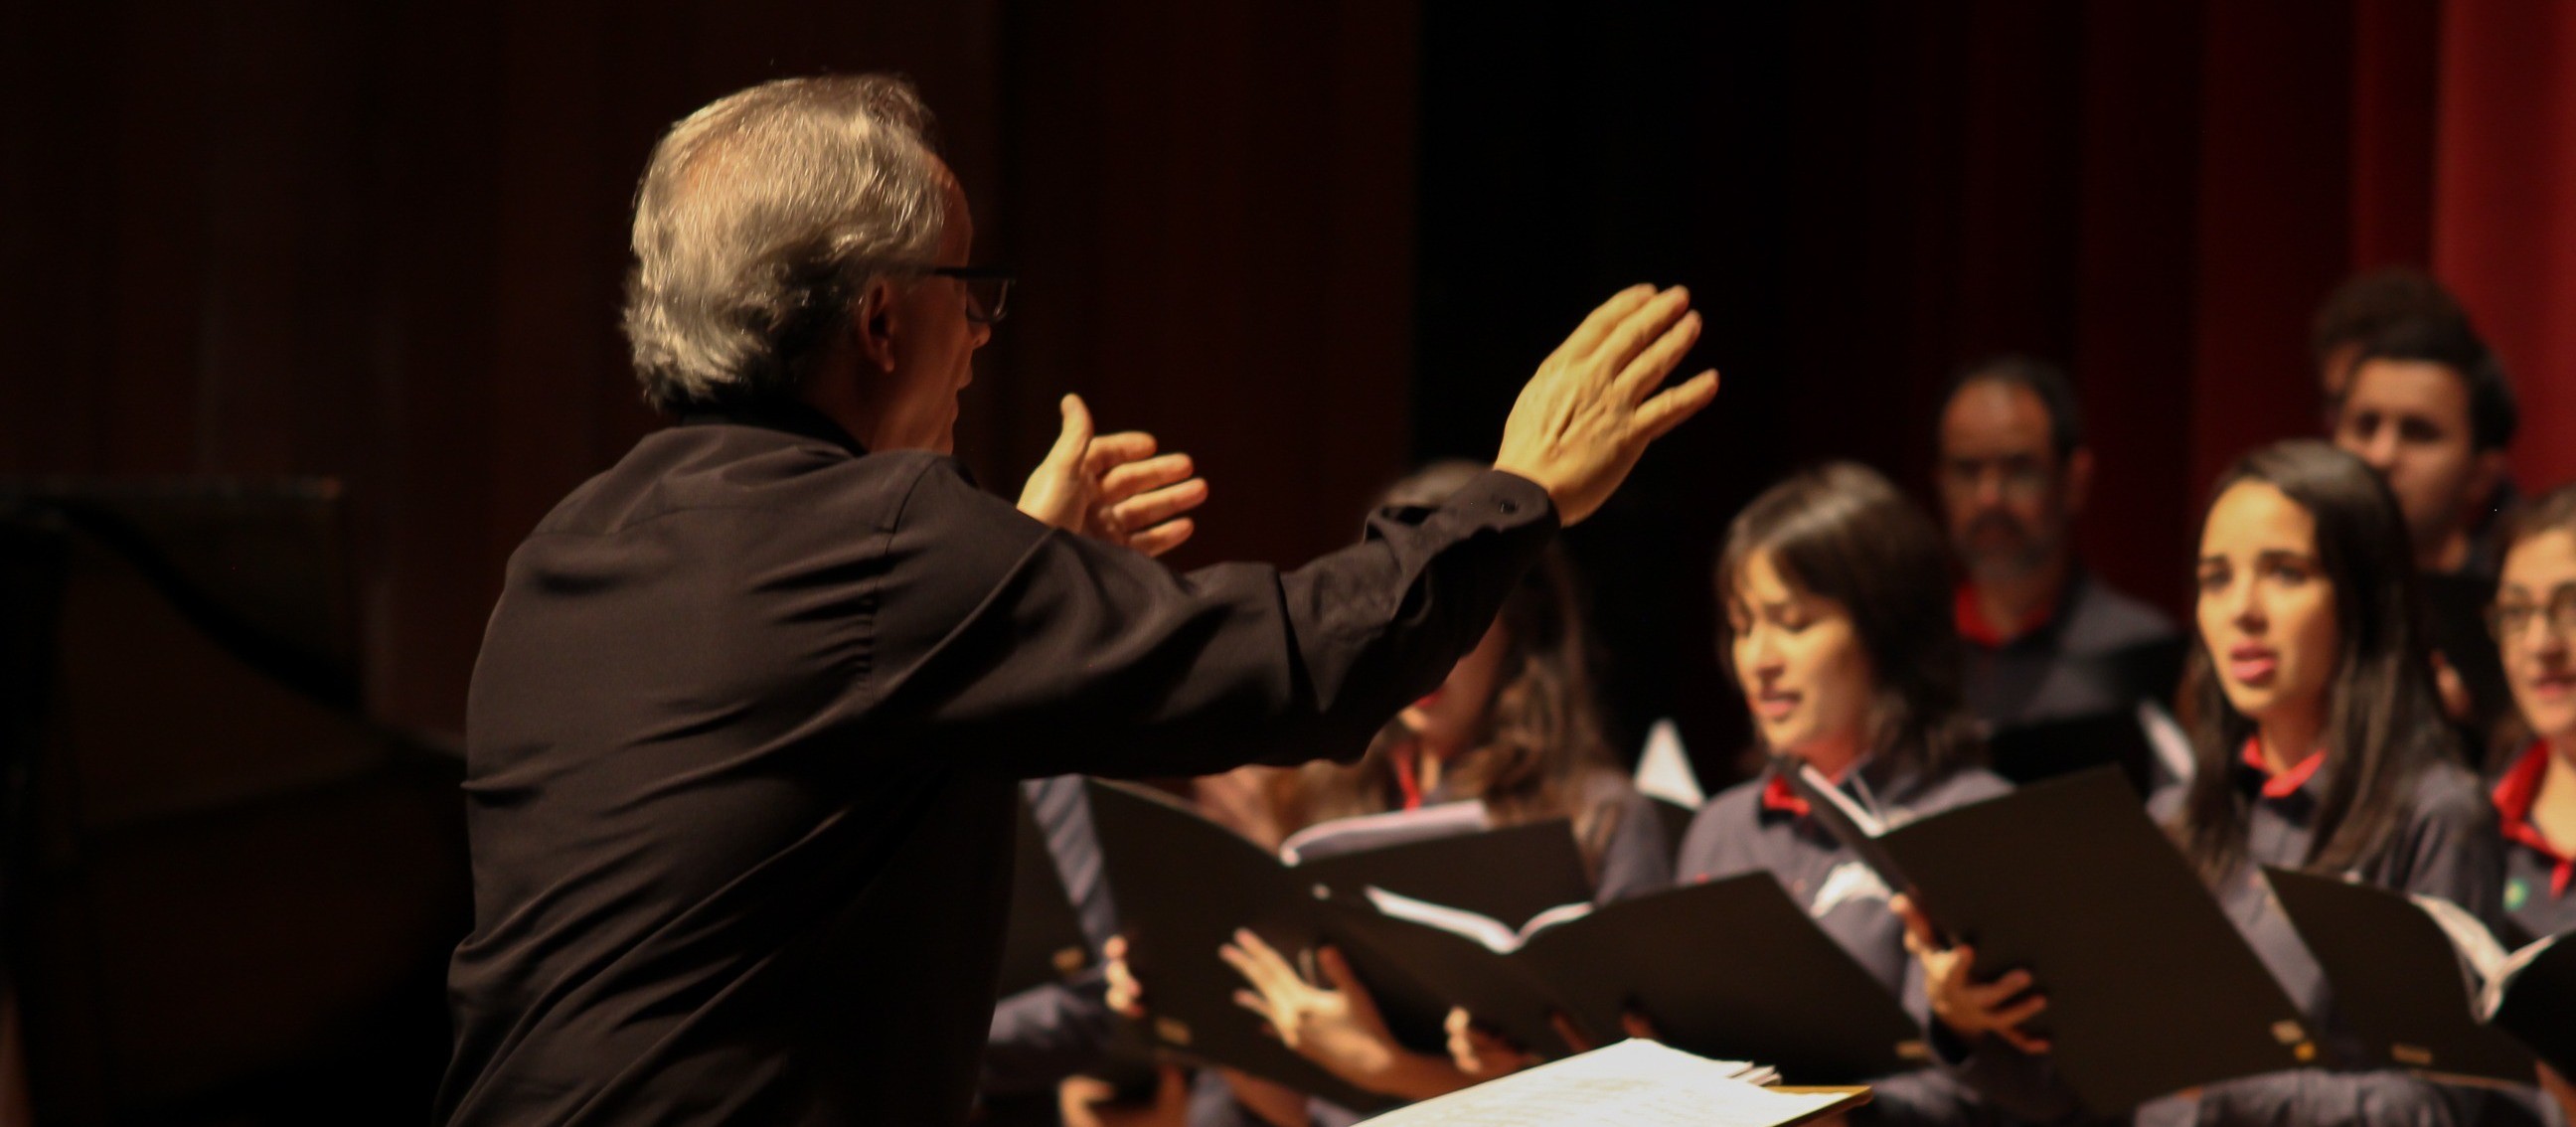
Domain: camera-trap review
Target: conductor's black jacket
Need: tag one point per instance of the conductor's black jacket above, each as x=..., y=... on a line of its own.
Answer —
x=743, y=739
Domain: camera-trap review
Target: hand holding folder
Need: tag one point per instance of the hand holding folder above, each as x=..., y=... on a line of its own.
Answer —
x=2150, y=989
x=1724, y=968
x=1186, y=886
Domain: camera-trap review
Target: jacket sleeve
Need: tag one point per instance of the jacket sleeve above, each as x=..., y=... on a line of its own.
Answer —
x=1057, y=654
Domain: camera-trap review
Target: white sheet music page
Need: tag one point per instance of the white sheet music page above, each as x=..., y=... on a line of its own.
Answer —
x=1630, y=1084
x=1377, y=831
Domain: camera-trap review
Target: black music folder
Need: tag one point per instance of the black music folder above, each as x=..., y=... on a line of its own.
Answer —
x=2429, y=987
x=2150, y=988
x=1184, y=884
x=1045, y=942
x=1729, y=968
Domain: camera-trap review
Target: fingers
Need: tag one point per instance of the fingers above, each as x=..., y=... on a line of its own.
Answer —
x=2029, y=1045
x=1642, y=326
x=1126, y=996
x=1658, y=416
x=1571, y=1034
x=1075, y=437
x=1110, y=451
x=1477, y=1051
x=1918, y=927
x=1463, y=1050
x=1158, y=506
x=1953, y=965
x=1337, y=971
x=1991, y=996
x=1258, y=963
x=1162, y=537
x=1638, y=1026
x=1646, y=371
x=1607, y=316
x=2010, y=1018
x=1078, y=1099
x=1358, y=1005
x=1127, y=479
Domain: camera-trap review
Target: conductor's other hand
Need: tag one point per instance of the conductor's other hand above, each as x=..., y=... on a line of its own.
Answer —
x=1112, y=487
x=1582, y=421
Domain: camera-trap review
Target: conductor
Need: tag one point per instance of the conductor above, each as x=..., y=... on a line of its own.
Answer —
x=743, y=736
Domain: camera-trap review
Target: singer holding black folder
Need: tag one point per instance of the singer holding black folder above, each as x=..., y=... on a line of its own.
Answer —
x=2320, y=746
x=1838, y=634
x=1514, y=726
x=746, y=728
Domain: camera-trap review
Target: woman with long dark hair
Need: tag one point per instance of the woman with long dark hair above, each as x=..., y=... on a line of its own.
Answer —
x=2320, y=746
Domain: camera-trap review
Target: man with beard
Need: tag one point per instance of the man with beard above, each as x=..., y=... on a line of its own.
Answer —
x=2044, y=640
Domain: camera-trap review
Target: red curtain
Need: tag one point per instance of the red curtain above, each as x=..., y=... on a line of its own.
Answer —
x=2504, y=207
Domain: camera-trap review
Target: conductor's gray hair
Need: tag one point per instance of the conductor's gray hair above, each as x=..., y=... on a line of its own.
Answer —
x=762, y=218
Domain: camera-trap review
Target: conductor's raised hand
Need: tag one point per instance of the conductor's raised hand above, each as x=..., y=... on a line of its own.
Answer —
x=1113, y=487
x=1597, y=401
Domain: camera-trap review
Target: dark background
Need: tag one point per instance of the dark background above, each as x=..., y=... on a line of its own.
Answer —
x=1311, y=243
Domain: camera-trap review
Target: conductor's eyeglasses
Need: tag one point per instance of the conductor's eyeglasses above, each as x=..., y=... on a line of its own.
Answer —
x=988, y=289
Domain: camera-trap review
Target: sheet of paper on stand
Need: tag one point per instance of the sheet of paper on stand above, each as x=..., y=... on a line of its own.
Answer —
x=1630, y=1084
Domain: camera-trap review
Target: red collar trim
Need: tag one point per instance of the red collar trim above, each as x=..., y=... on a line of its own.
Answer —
x=2288, y=782
x=1407, y=776
x=1779, y=795
x=2514, y=794
x=1971, y=622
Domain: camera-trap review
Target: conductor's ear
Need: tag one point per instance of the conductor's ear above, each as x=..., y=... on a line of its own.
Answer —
x=872, y=325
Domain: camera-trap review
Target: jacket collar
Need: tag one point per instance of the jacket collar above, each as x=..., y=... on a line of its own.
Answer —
x=789, y=415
